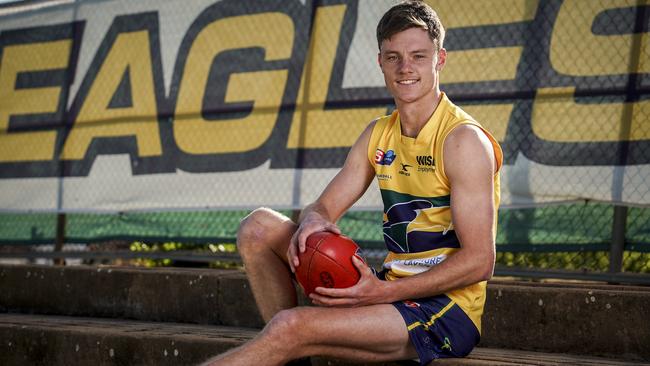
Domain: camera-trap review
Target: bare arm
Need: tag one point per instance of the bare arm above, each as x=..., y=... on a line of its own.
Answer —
x=345, y=188
x=470, y=166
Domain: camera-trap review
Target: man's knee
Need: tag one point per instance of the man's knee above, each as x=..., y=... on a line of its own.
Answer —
x=256, y=228
x=288, y=327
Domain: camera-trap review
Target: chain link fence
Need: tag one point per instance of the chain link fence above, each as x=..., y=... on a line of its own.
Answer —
x=574, y=237
x=155, y=122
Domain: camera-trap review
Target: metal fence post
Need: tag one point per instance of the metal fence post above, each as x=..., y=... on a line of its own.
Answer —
x=618, y=239
x=60, y=237
x=633, y=94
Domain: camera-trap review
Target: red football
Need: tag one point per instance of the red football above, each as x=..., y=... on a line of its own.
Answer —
x=327, y=262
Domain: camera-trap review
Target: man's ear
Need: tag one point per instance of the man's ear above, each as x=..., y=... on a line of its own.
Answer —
x=442, y=59
x=379, y=62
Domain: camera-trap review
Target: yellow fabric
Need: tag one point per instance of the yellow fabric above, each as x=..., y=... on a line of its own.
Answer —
x=418, y=229
x=433, y=318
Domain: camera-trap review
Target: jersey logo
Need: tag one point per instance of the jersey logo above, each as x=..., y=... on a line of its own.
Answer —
x=426, y=163
x=425, y=160
x=405, y=170
x=397, y=232
x=384, y=158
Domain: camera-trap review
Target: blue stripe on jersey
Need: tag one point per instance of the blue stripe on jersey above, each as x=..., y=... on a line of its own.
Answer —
x=401, y=209
x=419, y=241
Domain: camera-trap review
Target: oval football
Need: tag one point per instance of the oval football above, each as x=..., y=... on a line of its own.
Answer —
x=327, y=262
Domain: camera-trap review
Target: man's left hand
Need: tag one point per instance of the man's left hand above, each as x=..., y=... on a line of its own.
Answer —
x=369, y=290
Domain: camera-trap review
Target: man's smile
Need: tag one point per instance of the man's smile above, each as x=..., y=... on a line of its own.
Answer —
x=407, y=81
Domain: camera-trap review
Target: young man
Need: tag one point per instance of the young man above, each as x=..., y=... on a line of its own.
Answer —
x=437, y=171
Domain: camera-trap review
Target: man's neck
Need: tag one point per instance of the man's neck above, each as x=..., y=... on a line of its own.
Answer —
x=413, y=116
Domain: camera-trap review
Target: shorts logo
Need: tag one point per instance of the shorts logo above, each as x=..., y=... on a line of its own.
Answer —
x=411, y=304
x=384, y=158
x=446, y=344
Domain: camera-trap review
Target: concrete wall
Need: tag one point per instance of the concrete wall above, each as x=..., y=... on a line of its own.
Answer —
x=597, y=320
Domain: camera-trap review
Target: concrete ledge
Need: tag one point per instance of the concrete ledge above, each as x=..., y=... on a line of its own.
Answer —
x=69, y=341
x=593, y=319
x=55, y=340
x=220, y=297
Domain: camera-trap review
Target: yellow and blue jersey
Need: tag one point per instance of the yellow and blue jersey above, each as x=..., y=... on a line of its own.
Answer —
x=417, y=224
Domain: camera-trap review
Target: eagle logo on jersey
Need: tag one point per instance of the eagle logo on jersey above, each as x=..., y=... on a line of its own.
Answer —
x=402, y=236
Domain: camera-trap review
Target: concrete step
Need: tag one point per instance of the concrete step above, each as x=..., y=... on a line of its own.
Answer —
x=186, y=295
x=495, y=356
x=590, y=319
x=61, y=340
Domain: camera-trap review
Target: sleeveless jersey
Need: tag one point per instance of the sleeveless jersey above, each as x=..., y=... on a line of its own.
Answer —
x=417, y=225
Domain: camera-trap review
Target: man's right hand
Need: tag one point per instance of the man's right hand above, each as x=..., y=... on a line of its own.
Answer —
x=313, y=222
x=343, y=190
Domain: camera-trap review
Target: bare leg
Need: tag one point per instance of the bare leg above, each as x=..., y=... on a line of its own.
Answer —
x=262, y=241
x=372, y=334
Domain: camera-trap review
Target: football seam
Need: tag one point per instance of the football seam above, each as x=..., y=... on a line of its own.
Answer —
x=310, y=281
x=319, y=243
x=335, y=262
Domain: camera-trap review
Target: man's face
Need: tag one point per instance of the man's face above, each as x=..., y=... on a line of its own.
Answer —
x=410, y=65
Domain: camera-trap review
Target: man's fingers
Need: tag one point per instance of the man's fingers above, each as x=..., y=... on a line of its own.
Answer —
x=333, y=228
x=302, y=240
x=358, y=262
x=290, y=261
x=292, y=258
x=361, y=265
x=298, y=242
x=332, y=292
x=329, y=300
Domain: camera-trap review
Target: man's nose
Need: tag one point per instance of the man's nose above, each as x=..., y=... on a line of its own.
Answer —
x=405, y=66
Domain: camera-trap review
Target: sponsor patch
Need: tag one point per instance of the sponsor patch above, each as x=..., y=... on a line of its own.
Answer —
x=426, y=163
x=384, y=158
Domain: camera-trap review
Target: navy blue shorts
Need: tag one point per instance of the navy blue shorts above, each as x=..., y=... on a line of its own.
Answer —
x=438, y=327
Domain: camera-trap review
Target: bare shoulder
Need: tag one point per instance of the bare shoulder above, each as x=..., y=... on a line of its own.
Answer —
x=357, y=156
x=467, y=147
x=364, y=138
x=368, y=130
x=467, y=136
